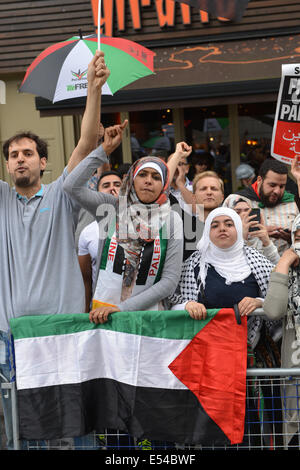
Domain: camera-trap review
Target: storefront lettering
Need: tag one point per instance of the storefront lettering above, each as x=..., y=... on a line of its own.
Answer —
x=165, y=11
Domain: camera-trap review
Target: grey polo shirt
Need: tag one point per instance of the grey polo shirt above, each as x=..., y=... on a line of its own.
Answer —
x=39, y=267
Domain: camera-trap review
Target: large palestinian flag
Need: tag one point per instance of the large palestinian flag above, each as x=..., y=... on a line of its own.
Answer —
x=155, y=375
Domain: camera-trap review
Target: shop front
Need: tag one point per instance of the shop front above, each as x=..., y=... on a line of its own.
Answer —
x=215, y=83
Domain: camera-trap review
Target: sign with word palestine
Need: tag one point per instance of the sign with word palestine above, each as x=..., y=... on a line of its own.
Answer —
x=286, y=130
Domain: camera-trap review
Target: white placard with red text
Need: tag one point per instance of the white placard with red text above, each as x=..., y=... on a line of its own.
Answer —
x=286, y=130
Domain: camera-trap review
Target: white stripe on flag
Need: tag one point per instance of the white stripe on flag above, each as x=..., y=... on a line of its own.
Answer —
x=78, y=357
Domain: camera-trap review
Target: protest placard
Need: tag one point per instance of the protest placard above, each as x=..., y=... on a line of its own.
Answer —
x=286, y=130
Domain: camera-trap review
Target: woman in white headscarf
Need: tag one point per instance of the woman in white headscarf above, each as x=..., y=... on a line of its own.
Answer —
x=283, y=301
x=224, y=272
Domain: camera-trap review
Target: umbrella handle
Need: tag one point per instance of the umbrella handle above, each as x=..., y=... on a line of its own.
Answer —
x=99, y=16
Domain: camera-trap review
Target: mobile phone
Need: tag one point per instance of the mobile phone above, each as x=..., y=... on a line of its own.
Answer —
x=255, y=212
x=237, y=314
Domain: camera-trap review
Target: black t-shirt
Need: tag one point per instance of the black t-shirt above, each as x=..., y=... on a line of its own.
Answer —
x=192, y=228
x=218, y=294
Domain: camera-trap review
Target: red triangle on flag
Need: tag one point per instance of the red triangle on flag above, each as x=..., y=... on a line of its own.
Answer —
x=214, y=366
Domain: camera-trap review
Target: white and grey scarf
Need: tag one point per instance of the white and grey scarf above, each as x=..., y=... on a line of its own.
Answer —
x=293, y=310
x=138, y=224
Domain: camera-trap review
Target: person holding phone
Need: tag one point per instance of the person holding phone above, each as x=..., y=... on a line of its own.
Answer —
x=283, y=302
x=278, y=206
x=254, y=230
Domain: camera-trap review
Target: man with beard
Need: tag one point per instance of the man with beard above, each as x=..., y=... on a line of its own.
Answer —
x=277, y=205
x=40, y=273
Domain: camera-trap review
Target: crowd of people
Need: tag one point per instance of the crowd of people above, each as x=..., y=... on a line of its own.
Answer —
x=101, y=241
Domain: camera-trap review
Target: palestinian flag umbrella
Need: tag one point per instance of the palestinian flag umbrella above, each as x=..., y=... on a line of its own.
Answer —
x=60, y=71
x=230, y=9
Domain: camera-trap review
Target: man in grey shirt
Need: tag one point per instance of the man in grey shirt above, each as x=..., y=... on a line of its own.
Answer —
x=40, y=273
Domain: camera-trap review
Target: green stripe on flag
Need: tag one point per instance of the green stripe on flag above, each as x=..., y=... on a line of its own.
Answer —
x=173, y=324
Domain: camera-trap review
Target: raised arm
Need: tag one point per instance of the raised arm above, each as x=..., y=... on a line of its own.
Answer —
x=97, y=75
x=182, y=150
x=75, y=183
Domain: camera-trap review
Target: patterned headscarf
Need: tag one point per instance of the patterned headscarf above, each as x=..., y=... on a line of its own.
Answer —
x=233, y=199
x=138, y=223
x=293, y=311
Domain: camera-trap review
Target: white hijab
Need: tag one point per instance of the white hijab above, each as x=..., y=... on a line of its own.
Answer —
x=230, y=263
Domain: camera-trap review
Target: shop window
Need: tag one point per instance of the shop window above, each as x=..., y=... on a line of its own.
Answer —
x=110, y=119
x=255, y=129
x=151, y=133
x=207, y=130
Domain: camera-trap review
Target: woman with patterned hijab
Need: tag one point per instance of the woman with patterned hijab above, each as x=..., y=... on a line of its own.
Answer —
x=141, y=213
x=140, y=237
x=258, y=239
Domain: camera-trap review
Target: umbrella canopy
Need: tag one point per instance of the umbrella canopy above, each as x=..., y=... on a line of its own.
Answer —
x=60, y=71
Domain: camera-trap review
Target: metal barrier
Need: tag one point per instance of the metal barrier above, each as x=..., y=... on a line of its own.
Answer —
x=270, y=400
x=10, y=389
x=266, y=411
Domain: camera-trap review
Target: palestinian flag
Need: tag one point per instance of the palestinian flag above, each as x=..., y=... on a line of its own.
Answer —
x=155, y=375
x=229, y=9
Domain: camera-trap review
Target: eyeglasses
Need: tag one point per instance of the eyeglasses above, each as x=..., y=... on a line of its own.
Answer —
x=182, y=164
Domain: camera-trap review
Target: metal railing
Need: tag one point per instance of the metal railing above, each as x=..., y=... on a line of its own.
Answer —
x=267, y=407
x=271, y=399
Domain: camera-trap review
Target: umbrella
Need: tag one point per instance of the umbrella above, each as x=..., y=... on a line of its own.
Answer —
x=213, y=124
x=60, y=71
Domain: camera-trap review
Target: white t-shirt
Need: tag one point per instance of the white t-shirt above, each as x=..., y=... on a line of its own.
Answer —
x=177, y=193
x=88, y=244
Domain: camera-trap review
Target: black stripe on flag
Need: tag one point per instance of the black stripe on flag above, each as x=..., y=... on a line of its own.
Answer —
x=75, y=410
